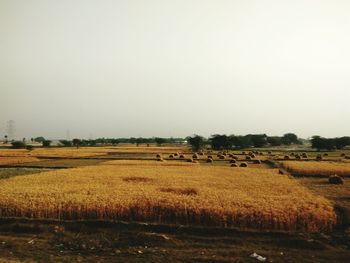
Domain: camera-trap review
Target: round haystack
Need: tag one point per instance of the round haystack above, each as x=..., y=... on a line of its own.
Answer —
x=210, y=160
x=347, y=157
x=280, y=172
x=182, y=156
x=244, y=153
x=286, y=157
x=335, y=179
x=159, y=155
x=171, y=156
x=243, y=165
x=343, y=155
x=261, y=153
x=232, y=161
x=234, y=165
x=318, y=157
x=292, y=154
x=176, y=154
x=230, y=155
x=195, y=156
x=222, y=157
x=257, y=161
x=235, y=157
x=253, y=155
x=210, y=157
x=189, y=160
x=325, y=154
x=201, y=153
x=269, y=152
x=160, y=159
x=248, y=158
x=305, y=155
x=297, y=157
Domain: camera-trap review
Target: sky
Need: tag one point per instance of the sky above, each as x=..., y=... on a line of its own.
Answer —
x=139, y=68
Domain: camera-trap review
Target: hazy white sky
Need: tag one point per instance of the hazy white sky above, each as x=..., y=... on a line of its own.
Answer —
x=174, y=68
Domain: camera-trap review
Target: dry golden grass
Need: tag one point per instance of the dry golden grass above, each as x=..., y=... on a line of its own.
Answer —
x=16, y=160
x=186, y=194
x=317, y=168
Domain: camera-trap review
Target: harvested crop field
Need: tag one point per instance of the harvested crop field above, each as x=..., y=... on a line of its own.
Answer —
x=317, y=168
x=182, y=194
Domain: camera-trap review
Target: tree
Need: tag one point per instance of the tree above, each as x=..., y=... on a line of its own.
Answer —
x=196, y=141
x=219, y=142
x=274, y=140
x=18, y=144
x=159, y=141
x=258, y=140
x=39, y=139
x=66, y=143
x=320, y=143
x=289, y=138
x=6, y=137
x=76, y=142
x=46, y=143
x=342, y=142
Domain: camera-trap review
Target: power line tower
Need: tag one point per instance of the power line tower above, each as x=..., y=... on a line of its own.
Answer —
x=10, y=130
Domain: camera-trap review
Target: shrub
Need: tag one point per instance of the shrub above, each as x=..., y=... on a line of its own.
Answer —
x=335, y=179
x=66, y=143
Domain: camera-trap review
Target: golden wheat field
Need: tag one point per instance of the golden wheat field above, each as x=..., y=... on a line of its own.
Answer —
x=16, y=160
x=317, y=168
x=162, y=193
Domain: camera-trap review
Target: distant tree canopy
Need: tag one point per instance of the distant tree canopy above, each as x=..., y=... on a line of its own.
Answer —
x=39, y=139
x=320, y=143
x=76, y=142
x=160, y=141
x=46, y=143
x=66, y=143
x=289, y=138
x=196, y=141
x=18, y=144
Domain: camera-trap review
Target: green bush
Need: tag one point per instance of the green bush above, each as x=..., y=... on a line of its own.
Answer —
x=46, y=143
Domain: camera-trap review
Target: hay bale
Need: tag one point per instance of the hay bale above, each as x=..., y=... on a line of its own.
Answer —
x=257, y=161
x=269, y=152
x=318, y=157
x=280, y=171
x=343, y=155
x=160, y=159
x=222, y=157
x=210, y=157
x=201, y=153
x=304, y=155
x=189, y=160
x=244, y=153
x=286, y=157
x=325, y=154
x=292, y=154
x=232, y=161
x=243, y=164
x=182, y=156
x=234, y=165
x=347, y=157
x=335, y=179
x=171, y=156
x=248, y=158
x=159, y=155
x=209, y=160
x=253, y=155
x=297, y=157
x=235, y=157
x=176, y=154
x=195, y=156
